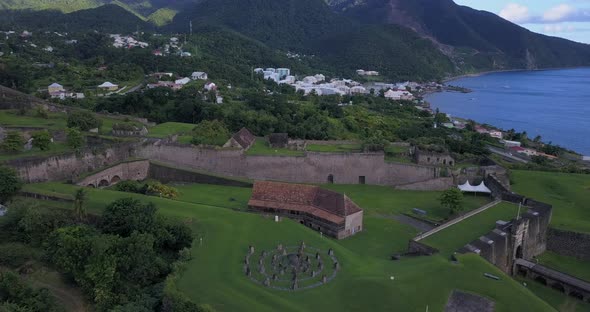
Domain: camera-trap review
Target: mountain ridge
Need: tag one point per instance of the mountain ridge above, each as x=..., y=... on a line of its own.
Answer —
x=494, y=42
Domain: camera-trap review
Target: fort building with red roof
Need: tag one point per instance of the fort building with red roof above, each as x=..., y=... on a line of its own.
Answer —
x=326, y=211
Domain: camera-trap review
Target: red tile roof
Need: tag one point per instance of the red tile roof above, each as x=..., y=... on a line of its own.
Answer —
x=322, y=203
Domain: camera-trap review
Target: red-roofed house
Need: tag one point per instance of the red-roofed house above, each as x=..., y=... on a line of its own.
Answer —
x=326, y=211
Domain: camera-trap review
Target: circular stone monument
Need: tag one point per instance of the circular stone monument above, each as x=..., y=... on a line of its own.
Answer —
x=291, y=268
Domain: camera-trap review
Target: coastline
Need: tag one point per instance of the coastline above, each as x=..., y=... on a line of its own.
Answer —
x=426, y=97
x=473, y=75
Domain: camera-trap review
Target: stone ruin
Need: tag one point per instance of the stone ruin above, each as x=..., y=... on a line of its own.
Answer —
x=290, y=268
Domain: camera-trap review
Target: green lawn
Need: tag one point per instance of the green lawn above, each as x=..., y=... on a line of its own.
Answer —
x=214, y=275
x=56, y=148
x=460, y=234
x=56, y=121
x=337, y=148
x=569, y=265
x=215, y=195
x=169, y=128
x=386, y=201
x=568, y=193
x=11, y=118
x=261, y=148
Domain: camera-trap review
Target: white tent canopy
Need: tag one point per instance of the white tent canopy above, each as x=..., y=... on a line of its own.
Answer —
x=482, y=188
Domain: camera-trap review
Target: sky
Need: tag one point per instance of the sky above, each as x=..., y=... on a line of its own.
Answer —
x=561, y=18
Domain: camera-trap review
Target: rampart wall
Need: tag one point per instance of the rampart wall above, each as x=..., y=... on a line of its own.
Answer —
x=69, y=166
x=350, y=168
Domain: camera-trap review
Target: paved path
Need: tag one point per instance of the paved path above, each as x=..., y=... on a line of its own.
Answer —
x=134, y=88
x=505, y=154
x=457, y=220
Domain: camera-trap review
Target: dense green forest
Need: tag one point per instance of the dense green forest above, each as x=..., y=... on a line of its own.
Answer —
x=120, y=259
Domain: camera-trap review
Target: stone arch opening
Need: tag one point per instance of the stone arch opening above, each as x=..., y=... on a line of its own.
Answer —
x=577, y=295
x=540, y=279
x=331, y=178
x=519, y=252
x=115, y=179
x=103, y=183
x=558, y=287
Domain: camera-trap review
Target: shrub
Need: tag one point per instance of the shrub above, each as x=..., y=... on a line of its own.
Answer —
x=10, y=183
x=210, y=133
x=13, y=142
x=42, y=112
x=158, y=189
x=41, y=140
x=75, y=139
x=83, y=120
x=129, y=186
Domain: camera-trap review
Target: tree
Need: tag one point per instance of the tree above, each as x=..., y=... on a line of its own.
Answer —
x=41, y=140
x=452, y=199
x=75, y=139
x=210, y=133
x=83, y=120
x=13, y=142
x=10, y=184
x=126, y=215
x=79, y=203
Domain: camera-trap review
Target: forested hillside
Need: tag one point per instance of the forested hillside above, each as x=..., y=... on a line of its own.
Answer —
x=310, y=27
x=478, y=38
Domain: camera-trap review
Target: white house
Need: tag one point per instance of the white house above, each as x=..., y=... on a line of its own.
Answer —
x=199, y=76
x=182, y=81
x=511, y=143
x=393, y=95
x=210, y=86
x=55, y=87
x=358, y=90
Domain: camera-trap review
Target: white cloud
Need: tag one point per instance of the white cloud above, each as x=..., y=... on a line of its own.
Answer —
x=558, y=28
x=559, y=13
x=516, y=13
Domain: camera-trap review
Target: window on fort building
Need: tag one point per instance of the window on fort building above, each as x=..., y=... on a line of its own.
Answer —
x=450, y=163
x=428, y=159
x=362, y=180
x=444, y=161
x=331, y=179
x=438, y=159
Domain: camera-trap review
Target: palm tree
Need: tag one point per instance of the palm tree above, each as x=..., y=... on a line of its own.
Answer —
x=79, y=201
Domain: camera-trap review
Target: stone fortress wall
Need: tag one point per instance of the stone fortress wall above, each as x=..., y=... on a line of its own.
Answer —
x=340, y=168
x=524, y=237
x=70, y=166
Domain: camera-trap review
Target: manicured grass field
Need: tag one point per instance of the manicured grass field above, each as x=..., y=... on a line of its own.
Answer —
x=169, y=128
x=214, y=275
x=569, y=265
x=337, y=148
x=261, y=148
x=568, y=193
x=214, y=195
x=458, y=235
x=386, y=201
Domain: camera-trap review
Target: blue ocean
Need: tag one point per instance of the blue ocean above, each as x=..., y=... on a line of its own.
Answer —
x=554, y=104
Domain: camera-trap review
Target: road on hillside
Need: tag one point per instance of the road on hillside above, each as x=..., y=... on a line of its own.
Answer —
x=507, y=155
